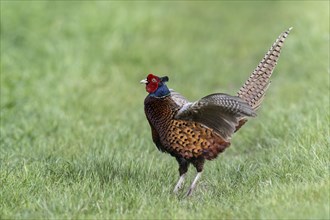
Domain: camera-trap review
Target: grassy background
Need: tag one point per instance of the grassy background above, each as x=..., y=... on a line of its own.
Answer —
x=74, y=139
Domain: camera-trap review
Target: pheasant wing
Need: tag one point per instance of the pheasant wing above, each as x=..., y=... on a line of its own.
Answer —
x=220, y=112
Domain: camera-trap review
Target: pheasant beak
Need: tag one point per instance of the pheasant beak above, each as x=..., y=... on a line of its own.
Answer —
x=144, y=81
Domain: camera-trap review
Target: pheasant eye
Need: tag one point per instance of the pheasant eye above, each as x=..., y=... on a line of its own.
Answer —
x=153, y=80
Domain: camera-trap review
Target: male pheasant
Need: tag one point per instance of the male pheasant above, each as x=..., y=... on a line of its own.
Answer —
x=193, y=132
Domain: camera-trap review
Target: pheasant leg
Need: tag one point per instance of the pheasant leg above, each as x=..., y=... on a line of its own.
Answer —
x=183, y=168
x=193, y=185
x=179, y=185
x=198, y=164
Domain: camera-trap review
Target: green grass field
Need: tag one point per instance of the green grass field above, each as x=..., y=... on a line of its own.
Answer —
x=74, y=139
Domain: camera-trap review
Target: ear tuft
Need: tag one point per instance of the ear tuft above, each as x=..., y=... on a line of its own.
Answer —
x=164, y=79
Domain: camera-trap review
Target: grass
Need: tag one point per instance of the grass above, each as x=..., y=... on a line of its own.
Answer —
x=74, y=139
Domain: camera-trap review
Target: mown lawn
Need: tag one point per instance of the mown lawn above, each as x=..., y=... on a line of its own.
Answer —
x=74, y=139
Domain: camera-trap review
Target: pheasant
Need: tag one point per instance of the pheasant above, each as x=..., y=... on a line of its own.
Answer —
x=193, y=132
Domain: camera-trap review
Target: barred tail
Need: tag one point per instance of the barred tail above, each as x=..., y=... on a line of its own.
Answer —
x=254, y=89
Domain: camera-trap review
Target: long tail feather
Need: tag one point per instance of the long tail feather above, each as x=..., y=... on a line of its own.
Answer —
x=254, y=89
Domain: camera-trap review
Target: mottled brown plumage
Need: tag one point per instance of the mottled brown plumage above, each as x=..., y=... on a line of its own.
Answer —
x=193, y=132
x=180, y=138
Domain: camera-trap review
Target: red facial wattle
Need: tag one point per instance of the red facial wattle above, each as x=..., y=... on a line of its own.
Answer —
x=152, y=84
x=151, y=87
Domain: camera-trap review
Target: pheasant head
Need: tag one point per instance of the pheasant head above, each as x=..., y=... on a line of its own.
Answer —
x=156, y=86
